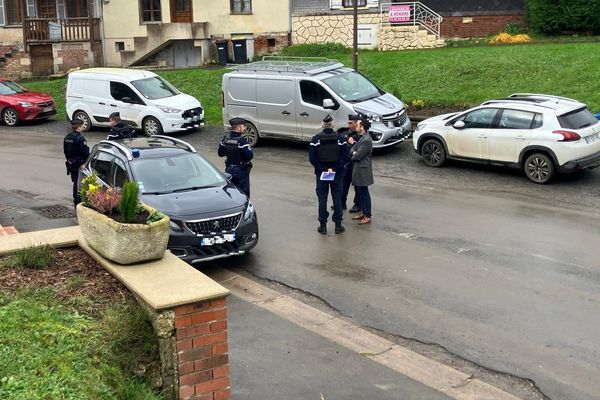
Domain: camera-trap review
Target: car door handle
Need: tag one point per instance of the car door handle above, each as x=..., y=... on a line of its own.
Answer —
x=521, y=137
x=482, y=136
x=304, y=114
x=113, y=105
x=286, y=112
x=101, y=103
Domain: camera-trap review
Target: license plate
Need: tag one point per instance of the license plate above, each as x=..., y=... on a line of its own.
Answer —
x=47, y=109
x=592, y=138
x=217, y=239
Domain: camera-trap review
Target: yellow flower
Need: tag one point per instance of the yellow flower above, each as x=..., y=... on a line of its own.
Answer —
x=93, y=188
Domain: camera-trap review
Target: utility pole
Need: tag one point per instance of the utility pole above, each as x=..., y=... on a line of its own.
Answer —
x=355, y=36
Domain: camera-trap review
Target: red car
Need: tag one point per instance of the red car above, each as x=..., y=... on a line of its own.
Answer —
x=18, y=104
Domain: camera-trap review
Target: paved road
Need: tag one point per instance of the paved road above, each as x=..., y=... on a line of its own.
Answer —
x=478, y=260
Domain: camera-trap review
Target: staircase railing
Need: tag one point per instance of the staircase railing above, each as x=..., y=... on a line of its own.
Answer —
x=411, y=13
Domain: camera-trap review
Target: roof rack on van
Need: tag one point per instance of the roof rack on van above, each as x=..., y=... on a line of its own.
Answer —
x=304, y=65
x=187, y=146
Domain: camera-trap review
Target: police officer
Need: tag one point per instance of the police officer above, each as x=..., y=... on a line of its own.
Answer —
x=328, y=152
x=119, y=130
x=238, y=155
x=76, y=152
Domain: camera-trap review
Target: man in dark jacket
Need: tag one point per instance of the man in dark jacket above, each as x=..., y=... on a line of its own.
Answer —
x=119, y=130
x=353, y=120
x=328, y=153
x=238, y=155
x=76, y=152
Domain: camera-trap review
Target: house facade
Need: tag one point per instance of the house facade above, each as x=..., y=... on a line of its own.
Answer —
x=184, y=33
x=42, y=37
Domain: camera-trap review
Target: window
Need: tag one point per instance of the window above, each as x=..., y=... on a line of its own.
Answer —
x=271, y=42
x=12, y=9
x=338, y=4
x=353, y=87
x=77, y=8
x=350, y=3
x=120, y=46
x=516, y=119
x=150, y=10
x=101, y=163
x=577, y=119
x=119, y=174
x=241, y=6
x=481, y=118
x=119, y=91
x=155, y=88
x=313, y=93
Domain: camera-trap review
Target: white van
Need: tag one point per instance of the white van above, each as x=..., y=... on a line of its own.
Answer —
x=145, y=101
x=287, y=98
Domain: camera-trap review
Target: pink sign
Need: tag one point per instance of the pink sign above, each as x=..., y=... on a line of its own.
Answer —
x=399, y=13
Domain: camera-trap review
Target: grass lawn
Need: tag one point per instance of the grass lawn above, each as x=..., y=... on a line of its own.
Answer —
x=462, y=76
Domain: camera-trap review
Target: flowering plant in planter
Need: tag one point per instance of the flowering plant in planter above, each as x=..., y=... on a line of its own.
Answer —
x=115, y=224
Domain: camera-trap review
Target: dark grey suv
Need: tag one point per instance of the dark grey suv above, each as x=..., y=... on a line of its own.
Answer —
x=210, y=217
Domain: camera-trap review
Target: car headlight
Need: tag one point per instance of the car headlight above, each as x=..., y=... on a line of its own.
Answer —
x=25, y=104
x=175, y=226
x=169, y=110
x=376, y=118
x=249, y=211
x=420, y=127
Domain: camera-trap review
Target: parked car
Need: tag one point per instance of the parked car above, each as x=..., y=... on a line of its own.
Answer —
x=538, y=133
x=210, y=217
x=145, y=100
x=287, y=98
x=18, y=104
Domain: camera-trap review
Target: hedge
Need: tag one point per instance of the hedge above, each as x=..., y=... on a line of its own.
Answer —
x=563, y=16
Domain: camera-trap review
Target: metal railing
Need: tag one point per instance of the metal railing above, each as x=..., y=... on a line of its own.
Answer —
x=411, y=13
x=61, y=30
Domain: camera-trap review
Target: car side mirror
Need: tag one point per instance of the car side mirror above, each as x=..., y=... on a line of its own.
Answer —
x=328, y=104
x=459, y=124
x=228, y=176
x=127, y=100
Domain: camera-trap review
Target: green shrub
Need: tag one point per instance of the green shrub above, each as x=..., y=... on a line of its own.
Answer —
x=560, y=16
x=515, y=28
x=36, y=257
x=129, y=201
x=315, y=50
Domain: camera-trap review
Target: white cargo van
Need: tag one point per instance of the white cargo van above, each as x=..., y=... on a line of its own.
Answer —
x=287, y=98
x=145, y=101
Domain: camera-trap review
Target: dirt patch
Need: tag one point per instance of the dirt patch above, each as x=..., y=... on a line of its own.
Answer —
x=432, y=111
x=72, y=273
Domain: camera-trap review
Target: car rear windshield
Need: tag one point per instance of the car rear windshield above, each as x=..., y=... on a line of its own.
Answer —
x=168, y=174
x=8, y=88
x=155, y=88
x=577, y=119
x=353, y=87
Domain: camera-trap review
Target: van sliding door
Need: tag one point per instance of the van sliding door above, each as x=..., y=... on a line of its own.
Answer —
x=276, y=107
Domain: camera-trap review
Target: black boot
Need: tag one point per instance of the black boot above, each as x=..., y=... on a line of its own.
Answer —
x=339, y=228
x=322, y=229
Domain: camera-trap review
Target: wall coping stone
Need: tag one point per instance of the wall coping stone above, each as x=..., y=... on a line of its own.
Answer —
x=147, y=280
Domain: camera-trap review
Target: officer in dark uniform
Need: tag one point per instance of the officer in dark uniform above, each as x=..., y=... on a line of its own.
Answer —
x=239, y=154
x=119, y=130
x=76, y=152
x=328, y=152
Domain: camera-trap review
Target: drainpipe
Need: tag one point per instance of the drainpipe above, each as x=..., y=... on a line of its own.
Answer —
x=102, y=33
x=291, y=7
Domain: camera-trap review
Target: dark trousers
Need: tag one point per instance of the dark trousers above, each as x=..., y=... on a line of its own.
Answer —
x=240, y=177
x=346, y=188
x=365, y=200
x=336, y=193
x=76, y=197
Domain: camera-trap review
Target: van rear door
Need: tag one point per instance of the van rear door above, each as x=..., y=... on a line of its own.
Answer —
x=276, y=107
x=310, y=111
x=240, y=98
x=92, y=94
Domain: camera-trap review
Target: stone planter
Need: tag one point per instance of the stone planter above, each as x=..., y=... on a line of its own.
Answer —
x=123, y=243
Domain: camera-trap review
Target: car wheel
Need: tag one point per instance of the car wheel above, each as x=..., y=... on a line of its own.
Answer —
x=152, y=126
x=251, y=134
x=10, y=117
x=82, y=115
x=433, y=153
x=539, y=168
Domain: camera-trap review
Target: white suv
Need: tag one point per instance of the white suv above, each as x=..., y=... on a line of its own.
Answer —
x=538, y=133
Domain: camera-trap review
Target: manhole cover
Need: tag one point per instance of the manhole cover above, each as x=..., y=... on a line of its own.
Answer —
x=55, y=212
x=23, y=193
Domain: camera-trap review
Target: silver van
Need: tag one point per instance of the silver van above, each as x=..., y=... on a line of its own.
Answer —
x=287, y=98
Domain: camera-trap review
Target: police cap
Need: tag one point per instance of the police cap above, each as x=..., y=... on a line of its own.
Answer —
x=237, y=121
x=116, y=114
x=76, y=122
x=354, y=117
x=328, y=118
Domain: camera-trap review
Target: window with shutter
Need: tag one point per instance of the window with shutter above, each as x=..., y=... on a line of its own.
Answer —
x=60, y=9
x=1, y=12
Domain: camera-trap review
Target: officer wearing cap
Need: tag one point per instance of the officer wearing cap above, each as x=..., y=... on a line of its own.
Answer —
x=76, y=152
x=119, y=130
x=238, y=155
x=328, y=152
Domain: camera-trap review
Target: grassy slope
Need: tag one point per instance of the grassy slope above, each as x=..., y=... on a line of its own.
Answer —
x=447, y=76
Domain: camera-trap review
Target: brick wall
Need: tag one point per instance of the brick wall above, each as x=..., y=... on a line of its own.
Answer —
x=477, y=25
x=17, y=66
x=72, y=56
x=202, y=350
x=262, y=43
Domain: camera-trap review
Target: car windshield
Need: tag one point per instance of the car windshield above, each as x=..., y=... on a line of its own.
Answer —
x=182, y=172
x=577, y=119
x=8, y=88
x=155, y=88
x=353, y=87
